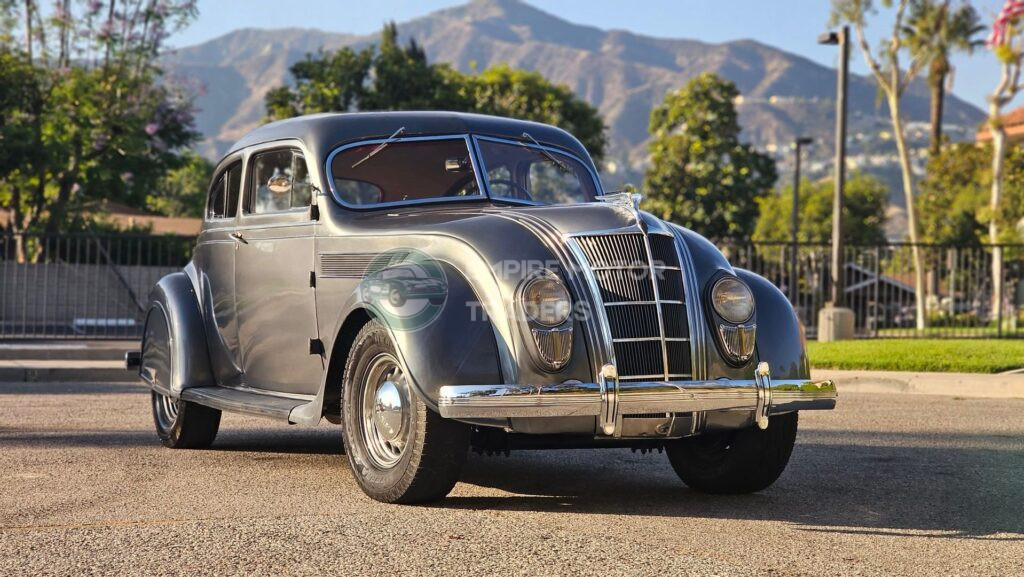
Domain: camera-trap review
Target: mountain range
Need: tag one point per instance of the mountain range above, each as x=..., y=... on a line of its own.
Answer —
x=623, y=74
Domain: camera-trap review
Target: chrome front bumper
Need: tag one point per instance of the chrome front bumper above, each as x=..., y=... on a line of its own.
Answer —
x=609, y=400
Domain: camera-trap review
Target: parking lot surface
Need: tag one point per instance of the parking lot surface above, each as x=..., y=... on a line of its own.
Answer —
x=886, y=484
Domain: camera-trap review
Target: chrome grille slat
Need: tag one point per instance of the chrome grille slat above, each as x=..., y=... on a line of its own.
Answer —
x=640, y=281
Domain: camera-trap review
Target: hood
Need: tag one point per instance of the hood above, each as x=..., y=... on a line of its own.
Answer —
x=491, y=219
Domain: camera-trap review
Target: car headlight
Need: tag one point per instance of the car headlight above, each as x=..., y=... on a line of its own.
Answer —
x=732, y=300
x=545, y=300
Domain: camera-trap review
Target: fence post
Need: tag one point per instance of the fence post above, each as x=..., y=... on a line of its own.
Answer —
x=999, y=293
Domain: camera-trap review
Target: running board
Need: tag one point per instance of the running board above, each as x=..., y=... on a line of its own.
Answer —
x=236, y=401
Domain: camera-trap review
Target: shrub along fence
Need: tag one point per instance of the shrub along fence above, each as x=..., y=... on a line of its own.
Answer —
x=87, y=286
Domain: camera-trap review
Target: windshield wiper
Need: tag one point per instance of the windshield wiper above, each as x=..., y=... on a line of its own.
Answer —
x=543, y=151
x=380, y=147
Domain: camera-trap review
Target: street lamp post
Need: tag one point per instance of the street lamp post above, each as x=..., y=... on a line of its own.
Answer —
x=794, y=227
x=841, y=39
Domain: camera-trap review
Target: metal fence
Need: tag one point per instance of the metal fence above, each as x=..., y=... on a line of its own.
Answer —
x=95, y=286
x=82, y=286
x=960, y=291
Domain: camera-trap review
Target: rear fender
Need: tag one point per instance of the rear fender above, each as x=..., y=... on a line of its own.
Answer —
x=174, y=352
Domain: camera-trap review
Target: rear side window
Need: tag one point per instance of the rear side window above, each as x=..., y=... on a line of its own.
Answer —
x=223, y=198
x=280, y=181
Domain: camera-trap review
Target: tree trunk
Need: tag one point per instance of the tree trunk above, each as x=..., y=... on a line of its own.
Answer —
x=998, y=160
x=908, y=193
x=938, y=90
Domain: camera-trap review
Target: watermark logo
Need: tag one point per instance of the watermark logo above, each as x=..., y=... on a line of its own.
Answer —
x=405, y=288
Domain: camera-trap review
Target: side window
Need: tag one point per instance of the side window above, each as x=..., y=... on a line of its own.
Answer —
x=280, y=181
x=223, y=199
x=215, y=208
x=234, y=184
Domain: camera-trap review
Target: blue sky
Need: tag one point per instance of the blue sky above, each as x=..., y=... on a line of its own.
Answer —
x=792, y=25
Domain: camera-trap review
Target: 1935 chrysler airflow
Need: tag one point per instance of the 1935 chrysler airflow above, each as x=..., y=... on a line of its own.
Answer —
x=549, y=315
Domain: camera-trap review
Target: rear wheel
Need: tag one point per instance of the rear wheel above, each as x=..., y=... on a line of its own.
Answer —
x=396, y=298
x=735, y=462
x=399, y=449
x=184, y=425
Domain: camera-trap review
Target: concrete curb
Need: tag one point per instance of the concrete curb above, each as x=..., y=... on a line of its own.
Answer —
x=1000, y=386
x=35, y=371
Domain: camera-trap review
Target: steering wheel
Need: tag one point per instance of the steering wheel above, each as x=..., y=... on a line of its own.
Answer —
x=517, y=189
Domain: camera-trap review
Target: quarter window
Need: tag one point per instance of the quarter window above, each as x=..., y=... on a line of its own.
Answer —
x=280, y=182
x=223, y=196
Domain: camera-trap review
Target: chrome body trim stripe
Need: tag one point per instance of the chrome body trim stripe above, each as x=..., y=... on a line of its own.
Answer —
x=695, y=316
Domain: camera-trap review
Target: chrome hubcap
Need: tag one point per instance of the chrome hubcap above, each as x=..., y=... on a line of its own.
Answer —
x=387, y=411
x=386, y=415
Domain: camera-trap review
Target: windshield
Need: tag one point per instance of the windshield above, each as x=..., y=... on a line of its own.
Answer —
x=528, y=173
x=404, y=171
x=442, y=169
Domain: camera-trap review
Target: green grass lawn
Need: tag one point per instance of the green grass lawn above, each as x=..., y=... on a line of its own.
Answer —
x=937, y=355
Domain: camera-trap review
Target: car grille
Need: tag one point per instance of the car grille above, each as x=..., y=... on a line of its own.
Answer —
x=641, y=285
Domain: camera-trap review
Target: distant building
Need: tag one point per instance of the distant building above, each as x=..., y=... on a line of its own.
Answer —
x=1013, y=121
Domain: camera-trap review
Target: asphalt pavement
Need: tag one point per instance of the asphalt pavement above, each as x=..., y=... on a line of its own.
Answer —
x=890, y=484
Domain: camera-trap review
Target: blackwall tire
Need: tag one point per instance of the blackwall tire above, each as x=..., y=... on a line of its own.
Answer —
x=735, y=462
x=184, y=425
x=407, y=454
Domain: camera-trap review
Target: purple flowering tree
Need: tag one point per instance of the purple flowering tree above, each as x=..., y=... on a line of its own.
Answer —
x=89, y=112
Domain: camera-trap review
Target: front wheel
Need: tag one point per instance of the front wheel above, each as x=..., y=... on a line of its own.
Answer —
x=735, y=462
x=399, y=449
x=181, y=424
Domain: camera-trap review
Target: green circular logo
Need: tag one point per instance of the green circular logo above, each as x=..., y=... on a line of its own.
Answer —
x=404, y=288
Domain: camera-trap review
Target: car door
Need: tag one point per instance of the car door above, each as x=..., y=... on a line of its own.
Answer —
x=214, y=258
x=274, y=258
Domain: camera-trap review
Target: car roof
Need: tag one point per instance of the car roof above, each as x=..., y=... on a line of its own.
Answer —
x=322, y=133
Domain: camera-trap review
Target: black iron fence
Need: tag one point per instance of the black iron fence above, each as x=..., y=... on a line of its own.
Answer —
x=95, y=286
x=969, y=291
x=82, y=286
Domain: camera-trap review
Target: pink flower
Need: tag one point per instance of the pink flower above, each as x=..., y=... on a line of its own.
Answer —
x=152, y=128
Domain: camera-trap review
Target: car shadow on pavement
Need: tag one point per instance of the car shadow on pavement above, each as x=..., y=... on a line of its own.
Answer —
x=969, y=486
x=311, y=441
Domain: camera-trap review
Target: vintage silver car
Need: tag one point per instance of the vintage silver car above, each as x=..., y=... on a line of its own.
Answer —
x=569, y=318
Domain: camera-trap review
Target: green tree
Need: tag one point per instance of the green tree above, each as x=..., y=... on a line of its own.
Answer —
x=866, y=199
x=391, y=76
x=934, y=30
x=326, y=81
x=98, y=119
x=182, y=190
x=954, y=196
x=506, y=91
x=892, y=79
x=701, y=176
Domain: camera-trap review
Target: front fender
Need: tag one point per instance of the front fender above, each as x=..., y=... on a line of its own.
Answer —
x=174, y=352
x=780, y=341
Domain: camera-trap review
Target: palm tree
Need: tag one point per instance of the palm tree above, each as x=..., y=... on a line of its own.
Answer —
x=934, y=30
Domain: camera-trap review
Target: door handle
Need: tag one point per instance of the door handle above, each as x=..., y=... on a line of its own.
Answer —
x=238, y=236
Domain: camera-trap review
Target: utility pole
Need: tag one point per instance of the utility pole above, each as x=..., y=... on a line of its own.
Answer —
x=794, y=227
x=841, y=39
x=835, y=322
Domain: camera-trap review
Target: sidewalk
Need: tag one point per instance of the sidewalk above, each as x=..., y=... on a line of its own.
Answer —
x=999, y=386
x=74, y=370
